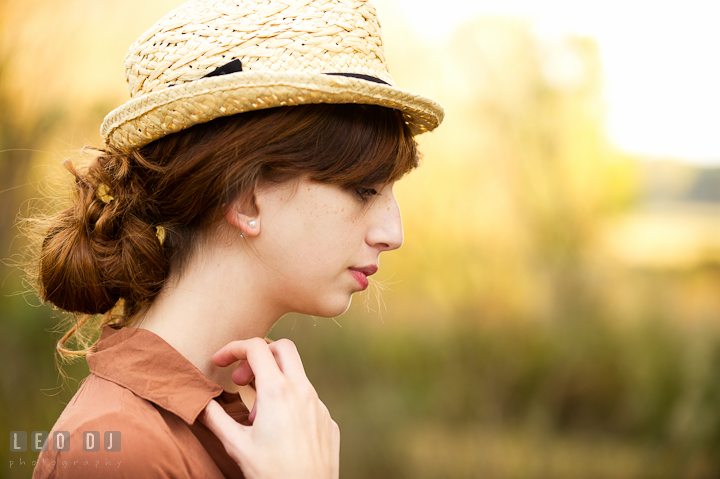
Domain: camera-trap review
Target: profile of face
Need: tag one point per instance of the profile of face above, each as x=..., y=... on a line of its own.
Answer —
x=316, y=243
x=277, y=210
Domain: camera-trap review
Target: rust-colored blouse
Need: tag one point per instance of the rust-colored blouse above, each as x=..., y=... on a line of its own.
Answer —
x=143, y=388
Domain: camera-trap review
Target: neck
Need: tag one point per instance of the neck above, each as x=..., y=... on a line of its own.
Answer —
x=216, y=300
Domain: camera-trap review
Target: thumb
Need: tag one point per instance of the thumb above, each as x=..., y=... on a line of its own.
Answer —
x=223, y=426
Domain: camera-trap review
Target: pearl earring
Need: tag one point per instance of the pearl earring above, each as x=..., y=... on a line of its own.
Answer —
x=252, y=223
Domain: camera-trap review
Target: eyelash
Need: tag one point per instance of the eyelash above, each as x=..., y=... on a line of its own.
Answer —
x=365, y=193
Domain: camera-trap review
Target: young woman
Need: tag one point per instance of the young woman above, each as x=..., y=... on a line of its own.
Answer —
x=250, y=175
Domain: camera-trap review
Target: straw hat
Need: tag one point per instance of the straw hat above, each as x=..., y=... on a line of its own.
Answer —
x=211, y=58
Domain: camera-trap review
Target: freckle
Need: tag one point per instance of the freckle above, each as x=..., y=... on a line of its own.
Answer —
x=342, y=209
x=388, y=208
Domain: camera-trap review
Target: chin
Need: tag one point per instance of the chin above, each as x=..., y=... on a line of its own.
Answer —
x=330, y=308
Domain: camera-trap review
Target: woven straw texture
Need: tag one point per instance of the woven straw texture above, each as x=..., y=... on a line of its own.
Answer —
x=286, y=48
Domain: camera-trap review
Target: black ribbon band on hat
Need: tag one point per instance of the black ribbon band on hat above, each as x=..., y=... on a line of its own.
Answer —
x=232, y=67
x=236, y=66
x=361, y=76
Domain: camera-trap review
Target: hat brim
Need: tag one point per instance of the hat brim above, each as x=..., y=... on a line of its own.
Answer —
x=157, y=114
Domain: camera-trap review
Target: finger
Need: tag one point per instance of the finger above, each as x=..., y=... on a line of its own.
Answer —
x=257, y=353
x=335, y=453
x=253, y=413
x=222, y=425
x=288, y=360
x=243, y=374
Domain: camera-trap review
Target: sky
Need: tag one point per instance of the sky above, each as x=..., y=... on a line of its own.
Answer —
x=661, y=61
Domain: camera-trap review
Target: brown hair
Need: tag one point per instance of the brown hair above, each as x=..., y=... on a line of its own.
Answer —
x=102, y=255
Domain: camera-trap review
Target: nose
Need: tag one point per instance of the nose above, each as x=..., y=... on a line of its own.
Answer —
x=385, y=230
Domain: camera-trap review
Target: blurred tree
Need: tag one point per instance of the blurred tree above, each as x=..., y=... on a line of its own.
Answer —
x=542, y=100
x=527, y=172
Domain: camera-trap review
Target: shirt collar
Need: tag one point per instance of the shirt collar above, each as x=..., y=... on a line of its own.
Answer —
x=144, y=363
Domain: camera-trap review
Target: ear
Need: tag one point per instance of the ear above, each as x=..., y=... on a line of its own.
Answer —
x=243, y=214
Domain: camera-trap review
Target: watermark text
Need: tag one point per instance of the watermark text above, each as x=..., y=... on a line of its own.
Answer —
x=59, y=441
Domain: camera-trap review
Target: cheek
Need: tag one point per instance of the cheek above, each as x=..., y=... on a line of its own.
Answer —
x=325, y=243
x=332, y=223
x=329, y=244
x=316, y=232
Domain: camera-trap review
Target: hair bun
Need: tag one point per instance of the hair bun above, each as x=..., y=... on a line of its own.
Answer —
x=69, y=273
x=100, y=250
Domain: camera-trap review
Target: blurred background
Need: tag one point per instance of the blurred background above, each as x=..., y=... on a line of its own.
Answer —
x=554, y=312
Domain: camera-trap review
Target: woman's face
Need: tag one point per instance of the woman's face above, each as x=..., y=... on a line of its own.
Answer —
x=317, y=243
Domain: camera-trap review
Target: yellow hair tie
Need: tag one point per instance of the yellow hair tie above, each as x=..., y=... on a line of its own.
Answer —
x=160, y=233
x=103, y=193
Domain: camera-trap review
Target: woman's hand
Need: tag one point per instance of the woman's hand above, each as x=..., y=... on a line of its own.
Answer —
x=292, y=434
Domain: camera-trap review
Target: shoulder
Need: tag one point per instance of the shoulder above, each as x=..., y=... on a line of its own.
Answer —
x=122, y=437
x=113, y=445
x=98, y=397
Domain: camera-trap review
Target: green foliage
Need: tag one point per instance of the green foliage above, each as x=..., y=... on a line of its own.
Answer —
x=647, y=390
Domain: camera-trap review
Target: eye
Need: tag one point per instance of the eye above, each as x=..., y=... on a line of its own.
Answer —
x=365, y=193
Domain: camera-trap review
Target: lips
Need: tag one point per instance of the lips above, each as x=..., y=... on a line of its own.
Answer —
x=366, y=270
x=360, y=274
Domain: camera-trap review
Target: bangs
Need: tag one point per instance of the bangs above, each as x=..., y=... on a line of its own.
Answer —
x=363, y=145
x=349, y=145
